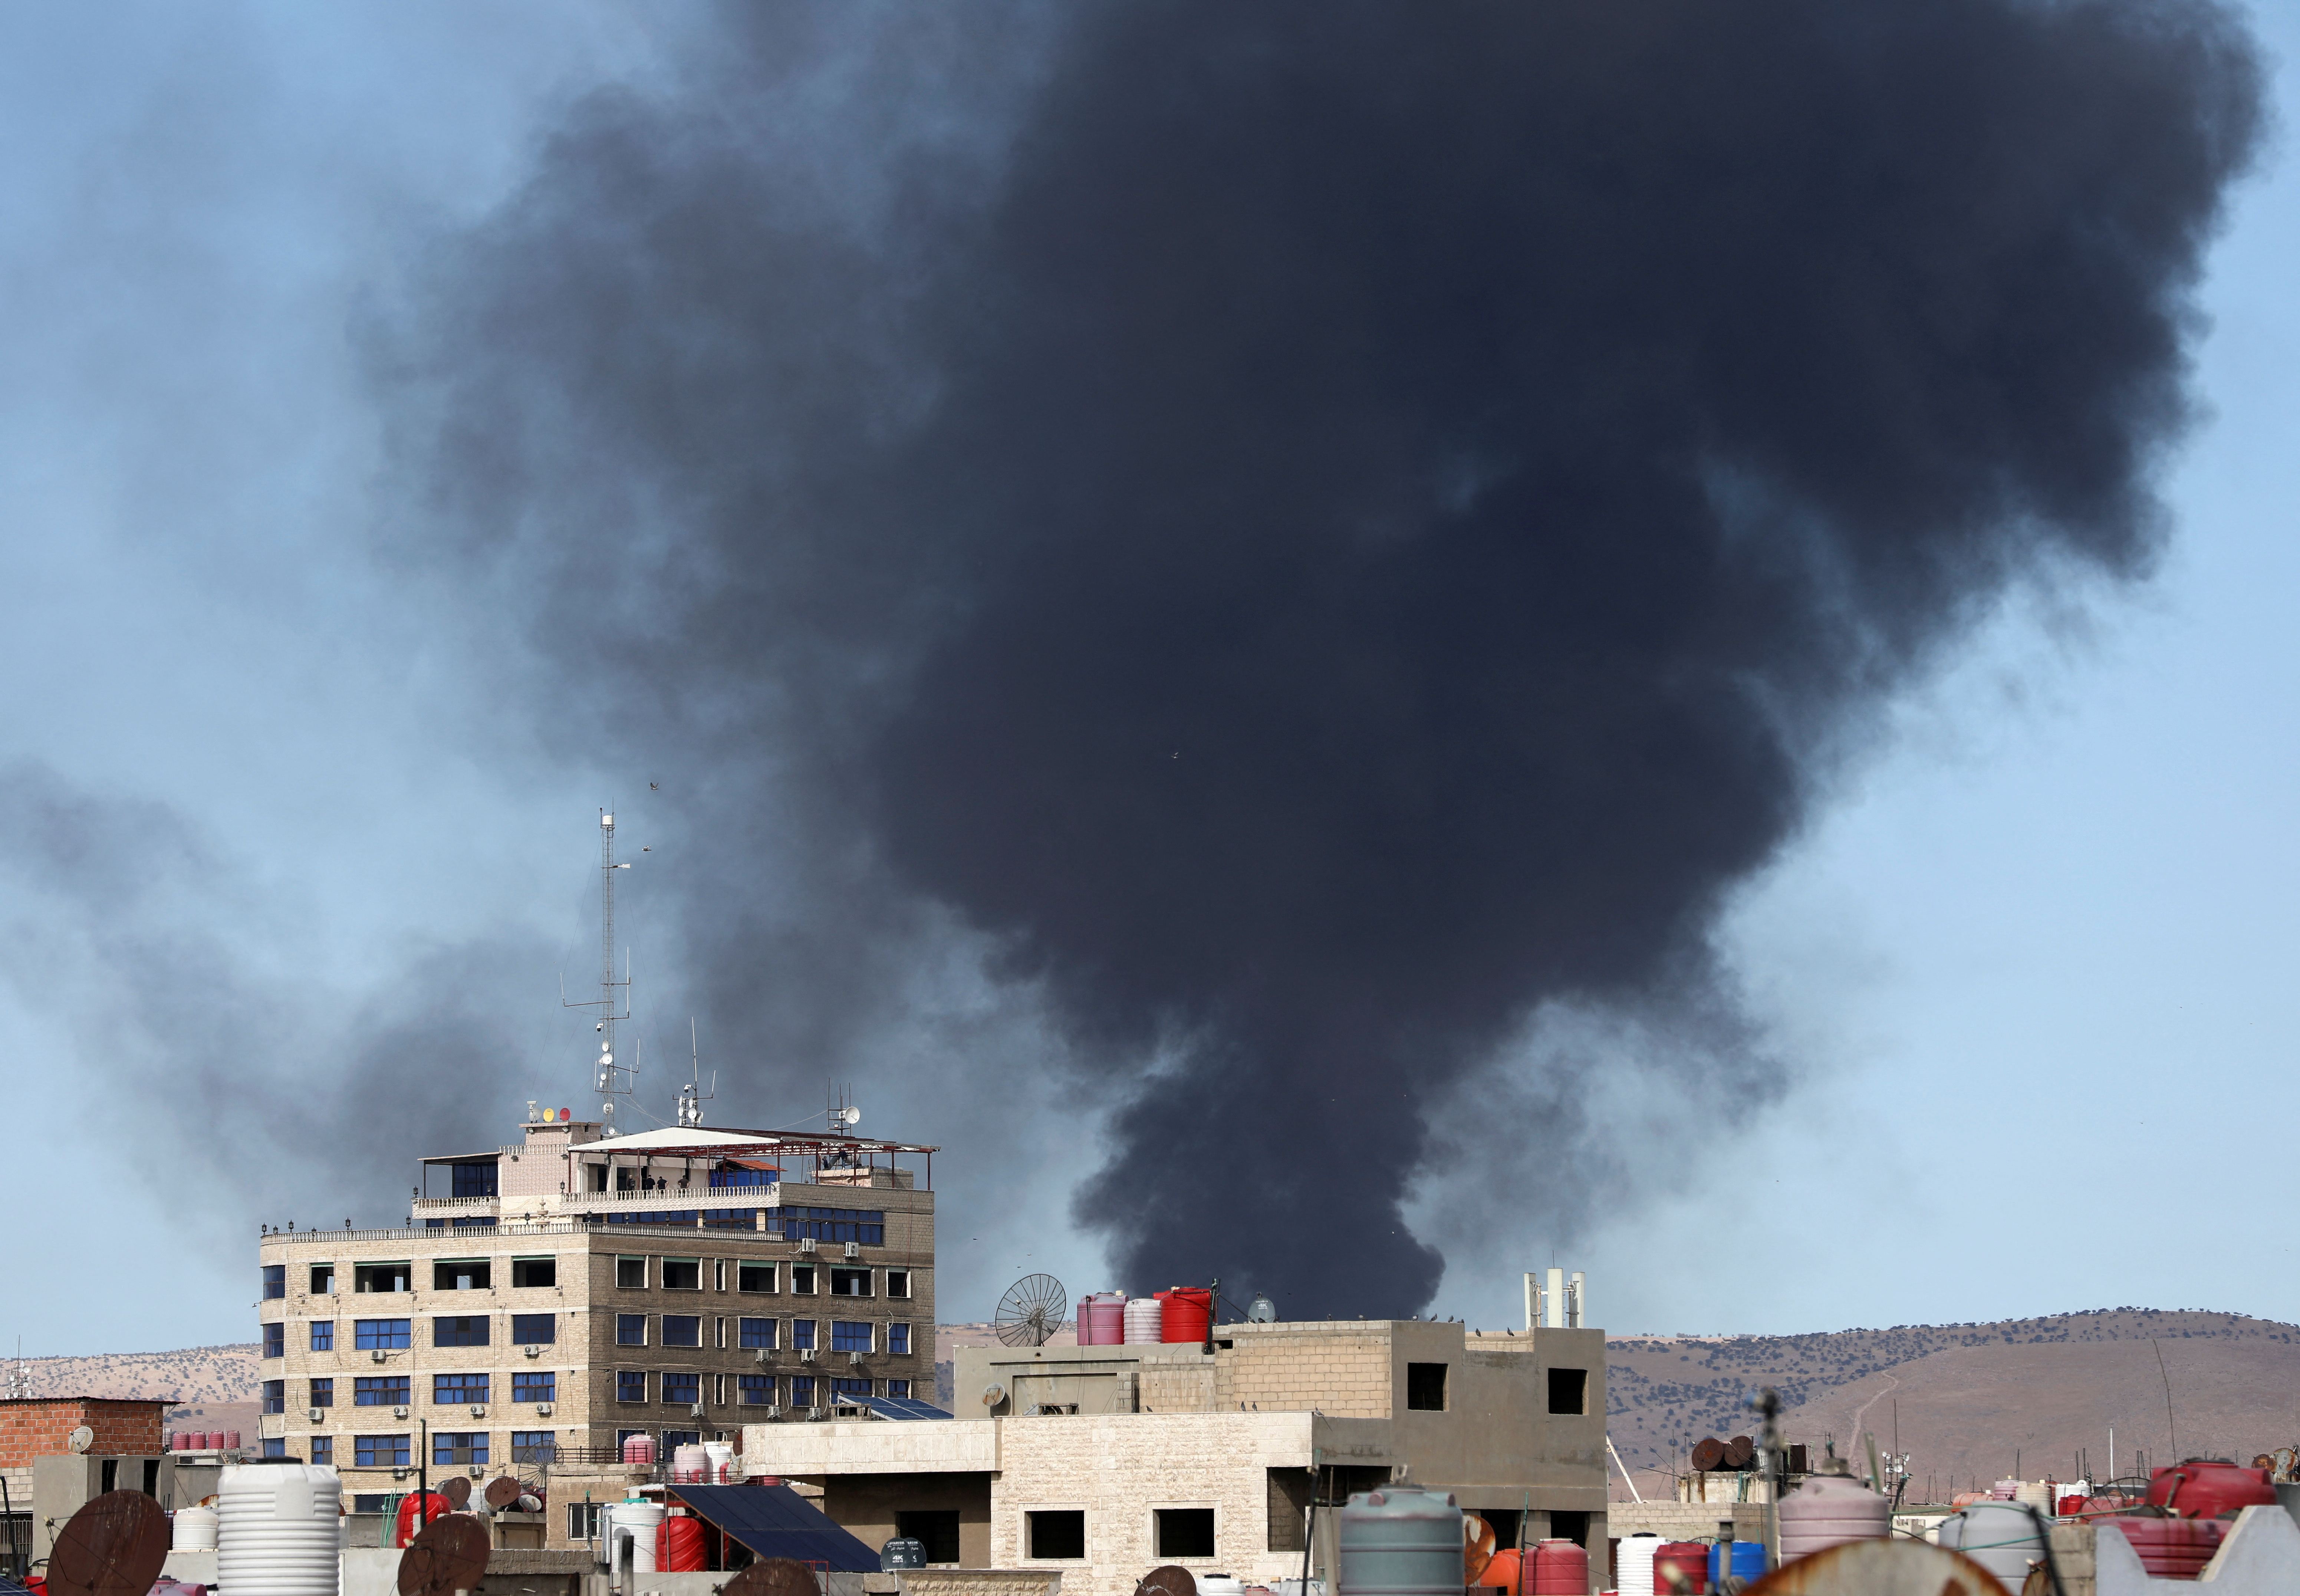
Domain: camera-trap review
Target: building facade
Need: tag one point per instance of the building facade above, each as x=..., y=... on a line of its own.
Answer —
x=1105, y=1461
x=565, y=1293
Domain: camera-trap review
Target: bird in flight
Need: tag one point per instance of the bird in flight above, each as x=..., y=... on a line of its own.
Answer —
x=654, y=786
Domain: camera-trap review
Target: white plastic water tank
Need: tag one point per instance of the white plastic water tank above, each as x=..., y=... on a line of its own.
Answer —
x=1999, y=1535
x=722, y=1462
x=1633, y=1564
x=1145, y=1321
x=279, y=1529
x=642, y=1520
x=195, y=1529
x=688, y=1462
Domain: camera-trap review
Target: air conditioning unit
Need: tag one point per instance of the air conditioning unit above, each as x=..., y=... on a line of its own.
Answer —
x=759, y=1355
x=814, y=1412
x=399, y=1412
x=854, y=1248
x=377, y=1354
x=806, y=1243
x=478, y=1409
x=544, y=1409
x=854, y=1356
x=806, y=1354
x=773, y=1411
x=695, y=1411
x=318, y=1414
x=535, y=1351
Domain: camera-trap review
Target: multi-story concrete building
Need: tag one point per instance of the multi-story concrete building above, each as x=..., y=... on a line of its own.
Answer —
x=1103, y=1462
x=569, y=1291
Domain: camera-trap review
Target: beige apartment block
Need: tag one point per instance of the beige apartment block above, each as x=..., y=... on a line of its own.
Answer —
x=1105, y=1461
x=569, y=1291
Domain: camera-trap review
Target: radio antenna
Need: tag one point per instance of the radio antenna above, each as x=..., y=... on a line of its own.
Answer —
x=691, y=1101
x=612, y=1079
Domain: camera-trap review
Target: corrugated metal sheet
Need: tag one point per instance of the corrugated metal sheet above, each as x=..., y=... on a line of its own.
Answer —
x=774, y=1521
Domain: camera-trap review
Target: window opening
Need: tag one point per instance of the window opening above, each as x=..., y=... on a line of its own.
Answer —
x=1059, y=1534
x=898, y=1282
x=1425, y=1387
x=630, y=1273
x=631, y=1385
x=379, y=1391
x=755, y=1333
x=323, y=1335
x=681, y=1386
x=682, y=1330
x=850, y=1335
x=460, y=1330
x=379, y=1451
x=631, y=1330
x=682, y=1273
x=460, y=1275
x=324, y=1392
x=380, y=1277
x=754, y=1277
x=454, y=1389
x=530, y=1273
x=534, y=1329
x=275, y=1282
x=1569, y=1390
x=1184, y=1532
x=323, y=1280
x=850, y=1283
x=385, y=1334
x=534, y=1386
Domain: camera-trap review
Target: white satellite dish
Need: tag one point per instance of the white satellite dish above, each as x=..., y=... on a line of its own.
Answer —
x=1261, y=1310
x=993, y=1394
x=852, y=1116
x=80, y=1439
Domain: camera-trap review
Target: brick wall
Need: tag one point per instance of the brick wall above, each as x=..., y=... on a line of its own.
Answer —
x=39, y=1426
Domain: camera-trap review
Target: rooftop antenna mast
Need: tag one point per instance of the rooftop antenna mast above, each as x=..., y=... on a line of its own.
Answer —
x=690, y=1101
x=612, y=1079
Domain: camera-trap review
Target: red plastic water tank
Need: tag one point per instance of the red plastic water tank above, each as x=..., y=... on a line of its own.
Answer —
x=2071, y=1506
x=2198, y=1489
x=679, y=1546
x=1560, y=1569
x=2170, y=1547
x=1186, y=1313
x=1501, y=1572
x=1102, y=1320
x=436, y=1507
x=638, y=1449
x=230, y=1441
x=1689, y=1557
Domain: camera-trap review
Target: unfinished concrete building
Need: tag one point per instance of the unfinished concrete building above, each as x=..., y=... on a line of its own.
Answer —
x=1103, y=1462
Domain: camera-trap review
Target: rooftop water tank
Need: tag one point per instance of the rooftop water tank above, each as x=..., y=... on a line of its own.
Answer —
x=688, y=1463
x=2168, y=1547
x=1633, y=1563
x=276, y=1529
x=720, y=1465
x=640, y=1520
x=638, y=1449
x=1102, y=1319
x=1143, y=1316
x=1560, y=1569
x=2201, y=1488
x=194, y=1529
x=1829, y=1509
x=1400, y=1540
x=1690, y=1558
x=2001, y=1536
x=1735, y=1559
x=1186, y=1314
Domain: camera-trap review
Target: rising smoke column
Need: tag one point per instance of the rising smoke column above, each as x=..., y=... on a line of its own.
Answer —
x=1318, y=531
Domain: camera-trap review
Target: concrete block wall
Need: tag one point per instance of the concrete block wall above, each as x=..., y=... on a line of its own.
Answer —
x=1278, y=1367
x=1120, y=1469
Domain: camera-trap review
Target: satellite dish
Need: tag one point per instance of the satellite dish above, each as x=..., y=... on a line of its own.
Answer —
x=1739, y=1451
x=501, y=1492
x=1032, y=1311
x=993, y=1394
x=773, y=1576
x=80, y=1439
x=114, y=1546
x=1168, y=1580
x=1707, y=1454
x=1261, y=1310
x=450, y=1555
x=457, y=1490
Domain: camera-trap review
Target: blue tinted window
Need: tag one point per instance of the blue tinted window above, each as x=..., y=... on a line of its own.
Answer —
x=475, y=1180
x=379, y=1451
x=802, y=1334
x=534, y=1329
x=380, y=1333
x=682, y=1330
x=851, y=1388
x=534, y=1386
x=275, y=1446
x=323, y=1394
x=275, y=1280
x=755, y=1391
x=631, y=1385
x=681, y=1386
x=275, y=1396
x=850, y=1335
x=460, y=1330
x=756, y=1333
x=379, y=1391
x=801, y=1391
x=630, y=1329
x=866, y=1226
x=459, y=1388
x=898, y=1388
x=533, y=1446
x=323, y=1335
x=460, y=1450
x=323, y=1449
x=898, y=1339
x=275, y=1340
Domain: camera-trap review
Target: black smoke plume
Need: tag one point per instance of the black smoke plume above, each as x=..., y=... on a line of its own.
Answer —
x=1317, y=532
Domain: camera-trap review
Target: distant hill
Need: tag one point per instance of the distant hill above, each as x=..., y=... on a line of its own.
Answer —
x=224, y=1375
x=1971, y=1397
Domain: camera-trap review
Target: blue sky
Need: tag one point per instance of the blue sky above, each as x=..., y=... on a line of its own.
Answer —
x=2031, y=964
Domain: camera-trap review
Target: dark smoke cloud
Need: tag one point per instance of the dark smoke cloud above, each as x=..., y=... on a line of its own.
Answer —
x=1318, y=535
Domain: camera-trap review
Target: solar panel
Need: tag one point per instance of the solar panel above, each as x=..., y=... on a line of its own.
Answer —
x=774, y=1521
x=901, y=1407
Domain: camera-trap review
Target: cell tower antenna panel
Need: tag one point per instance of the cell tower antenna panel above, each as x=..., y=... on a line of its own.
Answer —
x=690, y=1101
x=609, y=1076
